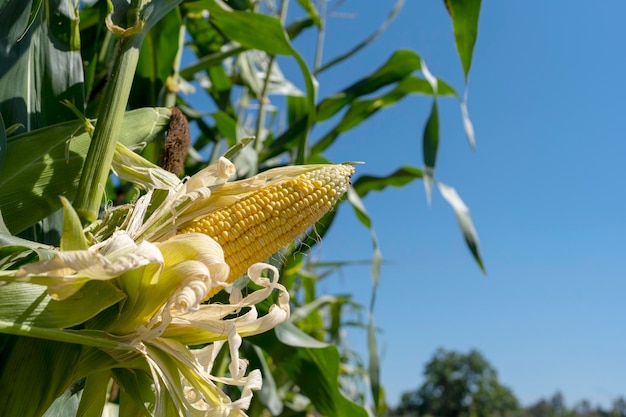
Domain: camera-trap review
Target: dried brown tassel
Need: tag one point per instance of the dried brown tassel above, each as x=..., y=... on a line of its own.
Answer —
x=176, y=143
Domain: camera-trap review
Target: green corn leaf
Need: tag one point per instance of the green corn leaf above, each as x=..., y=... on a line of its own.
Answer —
x=464, y=14
x=73, y=237
x=430, y=146
x=431, y=137
x=401, y=64
x=465, y=221
x=46, y=163
x=136, y=390
x=361, y=110
x=310, y=9
x=34, y=373
x=66, y=405
x=41, y=64
x=303, y=311
x=29, y=305
x=399, y=178
x=314, y=370
x=94, y=395
x=268, y=394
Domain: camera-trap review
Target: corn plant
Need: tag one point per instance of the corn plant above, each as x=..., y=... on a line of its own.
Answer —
x=139, y=267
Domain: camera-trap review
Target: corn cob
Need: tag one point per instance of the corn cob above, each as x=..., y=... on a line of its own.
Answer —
x=259, y=224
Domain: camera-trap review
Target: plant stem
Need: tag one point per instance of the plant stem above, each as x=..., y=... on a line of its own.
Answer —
x=319, y=47
x=98, y=161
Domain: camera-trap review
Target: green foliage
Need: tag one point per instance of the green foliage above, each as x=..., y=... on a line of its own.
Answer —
x=459, y=385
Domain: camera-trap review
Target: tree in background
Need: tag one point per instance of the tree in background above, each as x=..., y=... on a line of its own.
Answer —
x=459, y=385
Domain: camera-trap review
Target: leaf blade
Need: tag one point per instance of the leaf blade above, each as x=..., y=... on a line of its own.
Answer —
x=464, y=14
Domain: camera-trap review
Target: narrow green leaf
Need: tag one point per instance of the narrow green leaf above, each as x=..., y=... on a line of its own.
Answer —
x=301, y=312
x=235, y=149
x=430, y=139
x=13, y=246
x=150, y=14
x=361, y=110
x=136, y=389
x=93, y=338
x=464, y=15
x=399, y=178
x=359, y=208
x=94, y=394
x=72, y=237
x=401, y=64
x=290, y=335
x=29, y=305
x=268, y=394
x=310, y=9
x=244, y=28
x=468, y=126
x=296, y=27
x=465, y=221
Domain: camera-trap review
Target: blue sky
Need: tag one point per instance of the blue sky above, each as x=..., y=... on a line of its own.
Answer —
x=545, y=96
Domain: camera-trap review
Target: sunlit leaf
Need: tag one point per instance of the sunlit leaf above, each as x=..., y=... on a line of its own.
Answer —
x=315, y=371
x=465, y=221
x=290, y=335
x=268, y=394
x=310, y=9
x=464, y=15
x=41, y=64
x=30, y=306
x=401, y=177
x=72, y=237
x=46, y=163
x=398, y=66
x=361, y=110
